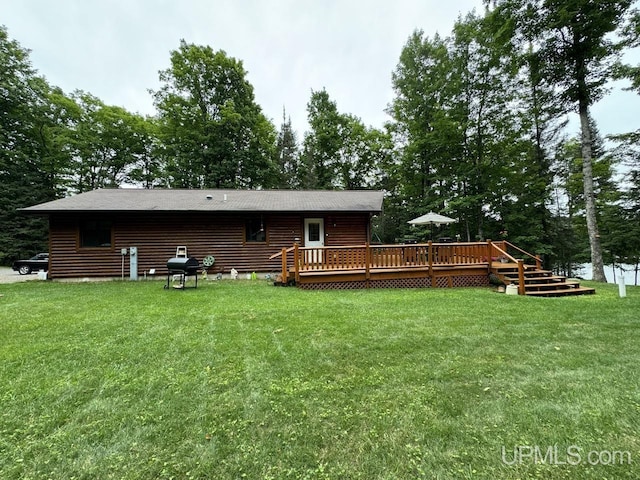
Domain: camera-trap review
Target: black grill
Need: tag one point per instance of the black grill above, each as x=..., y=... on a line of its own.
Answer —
x=184, y=267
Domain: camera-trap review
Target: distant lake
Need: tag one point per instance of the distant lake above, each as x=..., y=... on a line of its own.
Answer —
x=629, y=273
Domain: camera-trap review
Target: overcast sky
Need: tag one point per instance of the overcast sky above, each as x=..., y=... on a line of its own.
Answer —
x=115, y=48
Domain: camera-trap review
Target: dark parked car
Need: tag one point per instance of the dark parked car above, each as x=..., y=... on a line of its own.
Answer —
x=35, y=263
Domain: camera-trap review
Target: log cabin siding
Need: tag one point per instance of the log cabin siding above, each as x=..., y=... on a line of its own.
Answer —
x=346, y=230
x=157, y=234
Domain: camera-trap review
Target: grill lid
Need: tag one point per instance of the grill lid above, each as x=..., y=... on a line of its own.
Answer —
x=183, y=264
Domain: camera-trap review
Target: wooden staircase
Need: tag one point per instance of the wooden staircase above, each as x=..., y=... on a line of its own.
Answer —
x=539, y=283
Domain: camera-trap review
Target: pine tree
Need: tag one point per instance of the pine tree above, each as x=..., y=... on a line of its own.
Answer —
x=287, y=155
x=577, y=49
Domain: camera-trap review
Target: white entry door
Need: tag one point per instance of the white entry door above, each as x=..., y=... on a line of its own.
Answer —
x=314, y=237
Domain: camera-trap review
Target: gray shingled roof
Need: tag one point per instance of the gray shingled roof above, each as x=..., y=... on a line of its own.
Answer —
x=169, y=200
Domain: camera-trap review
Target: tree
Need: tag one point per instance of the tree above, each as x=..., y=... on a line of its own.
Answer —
x=456, y=127
x=107, y=145
x=146, y=168
x=540, y=115
x=339, y=150
x=287, y=155
x=213, y=132
x=574, y=40
x=492, y=136
x=627, y=221
x=322, y=143
x=568, y=246
x=25, y=179
x=568, y=168
x=420, y=120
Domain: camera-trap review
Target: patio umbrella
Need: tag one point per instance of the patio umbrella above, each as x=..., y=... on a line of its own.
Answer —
x=432, y=219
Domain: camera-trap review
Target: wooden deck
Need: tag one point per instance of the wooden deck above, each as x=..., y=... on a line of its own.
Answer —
x=420, y=265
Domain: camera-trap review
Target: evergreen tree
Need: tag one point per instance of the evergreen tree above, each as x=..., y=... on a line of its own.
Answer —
x=625, y=223
x=568, y=167
x=456, y=126
x=527, y=218
x=427, y=136
x=287, y=155
x=577, y=50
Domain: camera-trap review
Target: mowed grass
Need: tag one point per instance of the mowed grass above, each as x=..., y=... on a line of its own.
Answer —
x=245, y=380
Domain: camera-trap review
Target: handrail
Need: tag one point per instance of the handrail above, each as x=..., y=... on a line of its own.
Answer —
x=530, y=255
x=276, y=255
x=395, y=245
x=504, y=253
x=519, y=262
x=448, y=244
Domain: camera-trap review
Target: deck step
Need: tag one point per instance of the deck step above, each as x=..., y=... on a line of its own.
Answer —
x=537, y=280
x=540, y=283
x=533, y=287
x=562, y=292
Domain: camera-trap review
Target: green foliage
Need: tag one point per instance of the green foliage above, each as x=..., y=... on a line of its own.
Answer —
x=245, y=380
x=465, y=147
x=339, y=150
x=288, y=156
x=476, y=122
x=52, y=144
x=146, y=168
x=624, y=224
x=577, y=45
x=569, y=177
x=213, y=132
x=107, y=146
x=25, y=161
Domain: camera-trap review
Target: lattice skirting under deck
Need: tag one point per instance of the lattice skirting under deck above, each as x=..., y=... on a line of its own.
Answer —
x=423, y=282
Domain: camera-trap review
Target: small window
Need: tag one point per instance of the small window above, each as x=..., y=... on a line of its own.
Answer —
x=255, y=230
x=95, y=234
x=314, y=232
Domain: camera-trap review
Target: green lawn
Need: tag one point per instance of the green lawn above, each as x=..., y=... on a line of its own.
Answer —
x=246, y=380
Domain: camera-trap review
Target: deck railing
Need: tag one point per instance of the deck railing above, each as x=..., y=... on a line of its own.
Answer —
x=502, y=249
x=359, y=257
x=428, y=256
x=376, y=257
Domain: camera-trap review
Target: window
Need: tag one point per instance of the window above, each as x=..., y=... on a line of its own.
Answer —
x=314, y=232
x=255, y=230
x=95, y=234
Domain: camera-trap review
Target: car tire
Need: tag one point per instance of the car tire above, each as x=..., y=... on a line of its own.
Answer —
x=24, y=270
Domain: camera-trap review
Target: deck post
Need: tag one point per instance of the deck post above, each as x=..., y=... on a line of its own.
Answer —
x=367, y=262
x=285, y=273
x=296, y=262
x=489, y=252
x=430, y=262
x=521, y=286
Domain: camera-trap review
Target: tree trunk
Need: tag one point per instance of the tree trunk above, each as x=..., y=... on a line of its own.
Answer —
x=589, y=196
